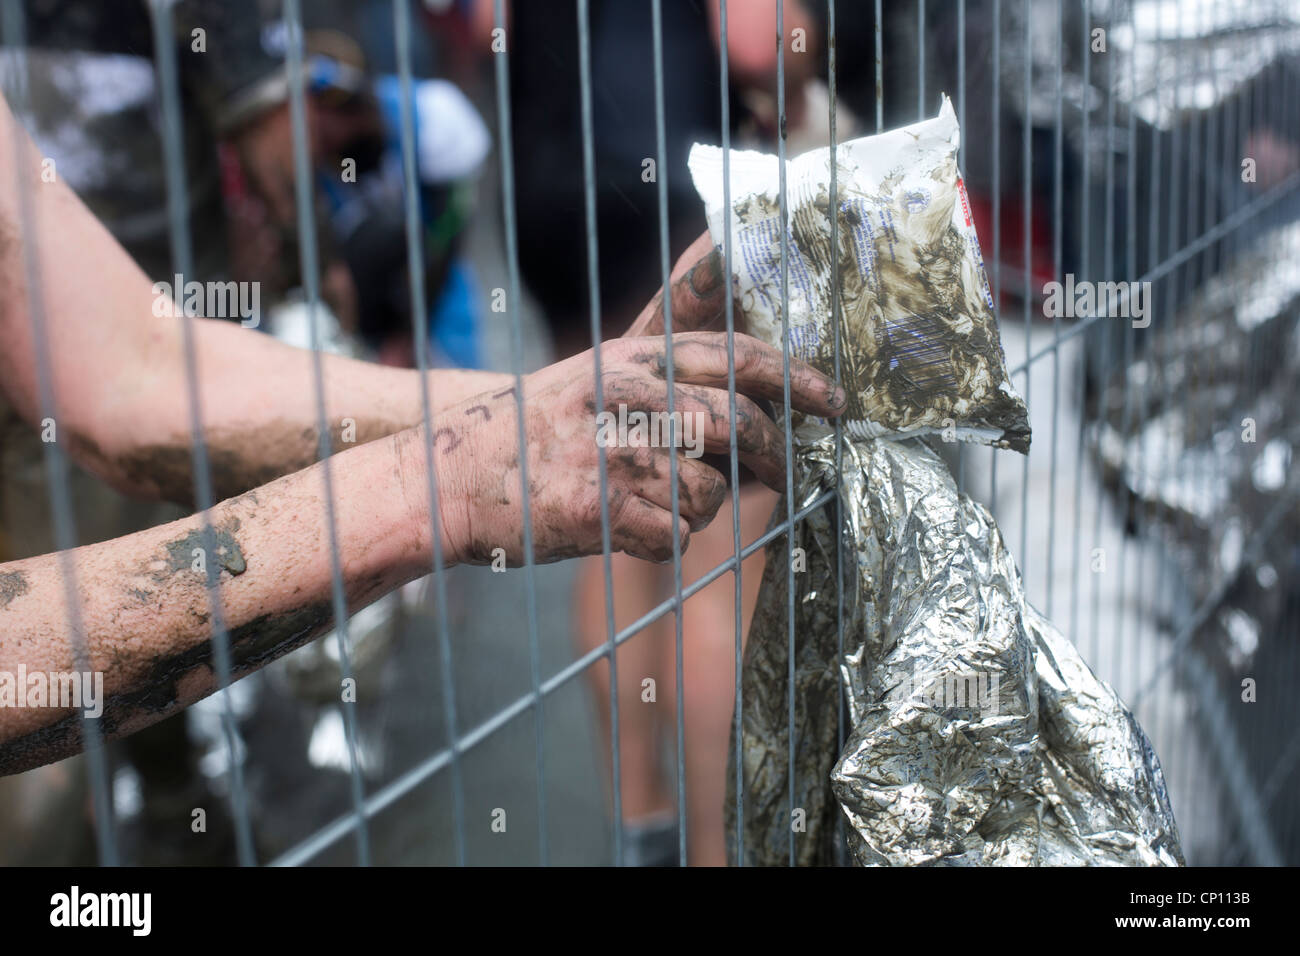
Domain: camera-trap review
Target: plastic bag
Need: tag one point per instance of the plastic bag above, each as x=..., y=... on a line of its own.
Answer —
x=919, y=337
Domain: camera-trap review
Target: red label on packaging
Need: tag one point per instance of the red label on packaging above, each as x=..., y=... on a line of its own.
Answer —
x=965, y=206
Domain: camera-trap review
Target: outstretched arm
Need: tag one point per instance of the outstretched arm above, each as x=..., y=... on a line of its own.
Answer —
x=145, y=608
x=119, y=375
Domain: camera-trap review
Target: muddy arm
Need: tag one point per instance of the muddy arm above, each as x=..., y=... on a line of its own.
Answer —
x=145, y=608
x=122, y=406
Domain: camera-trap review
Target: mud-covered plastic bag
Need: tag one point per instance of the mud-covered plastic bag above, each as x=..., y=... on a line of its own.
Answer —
x=919, y=337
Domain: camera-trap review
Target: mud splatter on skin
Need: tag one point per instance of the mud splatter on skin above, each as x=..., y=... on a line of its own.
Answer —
x=240, y=458
x=705, y=277
x=157, y=694
x=697, y=295
x=156, y=686
x=565, y=507
x=225, y=549
x=168, y=575
x=252, y=645
x=757, y=436
x=657, y=362
x=12, y=584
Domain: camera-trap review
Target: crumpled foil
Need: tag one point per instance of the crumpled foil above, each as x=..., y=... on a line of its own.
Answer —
x=973, y=732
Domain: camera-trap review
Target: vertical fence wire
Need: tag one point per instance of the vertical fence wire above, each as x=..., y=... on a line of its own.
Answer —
x=1058, y=190
x=1215, y=253
x=1165, y=311
x=308, y=256
x=996, y=147
x=729, y=307
x=1146, y=528
x=1082, y=392
x=1102, y=343
x=420, y=328
x=204, y=498
x=836, y=333
x=1235, y=141
x=920, y=59
x=1130, y=336
x=880, y=76
x=1189, y=670
x=56, y=463
x=1027, y=217
x=1206, y=709
x=1178, y=323
x=517, y=353
x=785, y=393
x=593, y=294
x=661, y=169
x=961, y=166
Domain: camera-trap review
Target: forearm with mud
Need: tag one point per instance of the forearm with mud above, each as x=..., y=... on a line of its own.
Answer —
x=119, y=374
x=260, y=415
x=146, y=611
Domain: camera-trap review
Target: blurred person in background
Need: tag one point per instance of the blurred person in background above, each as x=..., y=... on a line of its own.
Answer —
x=542, y=46
x=357, y=124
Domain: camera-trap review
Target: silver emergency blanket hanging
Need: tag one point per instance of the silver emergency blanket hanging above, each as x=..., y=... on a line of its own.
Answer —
x=975, y=734
x=954, y=725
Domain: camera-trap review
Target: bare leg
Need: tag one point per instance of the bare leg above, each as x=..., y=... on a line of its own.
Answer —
x=638, y=586
x=648, y=729
x=708, y=653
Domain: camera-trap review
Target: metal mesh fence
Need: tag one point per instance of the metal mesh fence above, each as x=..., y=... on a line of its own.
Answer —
x=1153, y=520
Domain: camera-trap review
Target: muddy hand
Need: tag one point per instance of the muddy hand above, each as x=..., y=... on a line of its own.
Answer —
x=479, y=469
x=699, y=295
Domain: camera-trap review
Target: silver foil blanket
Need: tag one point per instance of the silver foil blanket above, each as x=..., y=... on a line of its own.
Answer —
x=973, y=732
